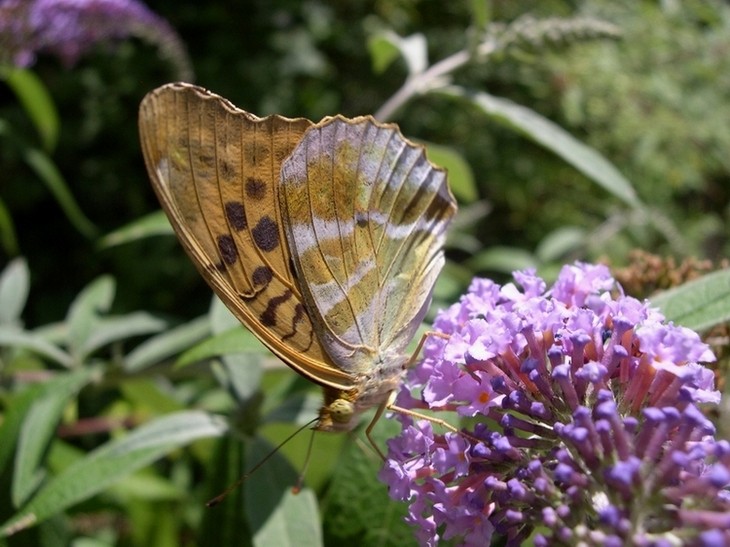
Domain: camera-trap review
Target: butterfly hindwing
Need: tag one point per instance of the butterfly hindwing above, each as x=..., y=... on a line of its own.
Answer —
x=366, y=215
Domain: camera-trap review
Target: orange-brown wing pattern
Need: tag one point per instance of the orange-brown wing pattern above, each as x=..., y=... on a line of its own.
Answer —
x=215, y=169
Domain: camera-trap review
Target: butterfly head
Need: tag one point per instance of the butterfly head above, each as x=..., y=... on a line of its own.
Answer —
x=341, y=409
x=339, y=414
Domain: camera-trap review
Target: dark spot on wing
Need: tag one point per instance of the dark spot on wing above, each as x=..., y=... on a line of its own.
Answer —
x=255, y=189
x=227, y=249
x=262, y=275
x=236, y=215
x=268, y=317
x=266, y=234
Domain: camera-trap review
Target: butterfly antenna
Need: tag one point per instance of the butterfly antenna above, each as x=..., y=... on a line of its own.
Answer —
x=219, y=498
x=300, y=480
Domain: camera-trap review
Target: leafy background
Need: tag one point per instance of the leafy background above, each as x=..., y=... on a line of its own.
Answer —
x=120, y=418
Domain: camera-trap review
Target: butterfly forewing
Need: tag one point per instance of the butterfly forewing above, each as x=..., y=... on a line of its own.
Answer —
x=215, y=169
x=365, y=214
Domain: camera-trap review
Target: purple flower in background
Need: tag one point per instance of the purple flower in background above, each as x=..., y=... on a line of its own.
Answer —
x=584, y=422
x=70, y=28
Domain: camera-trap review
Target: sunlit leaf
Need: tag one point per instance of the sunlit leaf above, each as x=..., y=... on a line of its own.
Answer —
x=413, y=49
x=114, y=329
x=221, y=318
x=150, y=225
x=84, y=312
x=167, y=344
x=559, y=243
x=13, y=415
x=114, y=461
x=382, y=52
x=502, y=259
x=235, y=340
x=37, y=102
x=14, y=288
x=38, y=428
x=11, y=336
x=461, y=177
x=698, y=304
x=263, y=511
x=553, y=137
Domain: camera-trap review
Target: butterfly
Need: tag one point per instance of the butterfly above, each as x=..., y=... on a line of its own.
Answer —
x=324, y=239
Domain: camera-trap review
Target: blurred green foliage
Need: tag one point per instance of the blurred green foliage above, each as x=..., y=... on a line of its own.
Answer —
x=642, y=85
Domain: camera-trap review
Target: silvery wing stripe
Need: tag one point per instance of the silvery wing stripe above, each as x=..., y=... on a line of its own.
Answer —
x=312, y=234
x=332, y=293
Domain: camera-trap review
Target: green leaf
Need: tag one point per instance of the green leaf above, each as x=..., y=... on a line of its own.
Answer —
x=560, y=243
x=14, y=289
x=221, y=318
x=413, y=49
x=461, y=177
x=298, y=409
x=114, y=329
x=114, y=461
x=83, y=315
x=15, y=407
x=148, y=396
x=47, y=171
x=356, y=499
x=448, y=284
x=36, y=102
x=553, y=137
x=480, y=13
x=382, y=52
x=167, y=344
x=699, y=304
x=235, y=340
x=294, y=522
x=39, y=427
x=226, y=522
x=262, y=511
x=146, y=484
x=240, y=375
x=8, y=237
x=502, y=259
x=154, y=224
x=11, y=336
x=277, y=516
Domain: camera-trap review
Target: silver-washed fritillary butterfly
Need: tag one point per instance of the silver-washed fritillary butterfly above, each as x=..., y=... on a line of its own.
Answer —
x=323, y=239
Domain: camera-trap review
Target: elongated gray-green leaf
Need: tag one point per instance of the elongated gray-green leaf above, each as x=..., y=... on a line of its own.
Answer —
x=698, y=304
x=114, y=461
x=14, y=287
x=553, y=137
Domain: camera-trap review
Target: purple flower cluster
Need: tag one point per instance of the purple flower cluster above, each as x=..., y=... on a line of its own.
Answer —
x=582, y=416
x=70, y=28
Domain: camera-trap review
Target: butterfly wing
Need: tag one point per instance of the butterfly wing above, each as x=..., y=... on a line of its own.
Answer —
x=366, y=218
x=215, y=169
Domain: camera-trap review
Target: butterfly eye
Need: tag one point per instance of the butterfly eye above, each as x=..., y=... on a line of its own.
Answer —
x=341, y=410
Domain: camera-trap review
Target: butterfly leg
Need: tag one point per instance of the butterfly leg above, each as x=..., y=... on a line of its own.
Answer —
x=421, y=416
x=378, y=414
x=388, y=405
x=421, y=342
x=413, y=413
